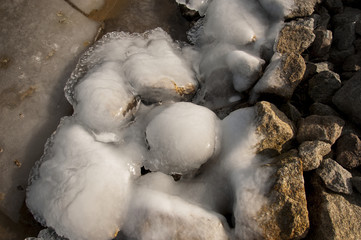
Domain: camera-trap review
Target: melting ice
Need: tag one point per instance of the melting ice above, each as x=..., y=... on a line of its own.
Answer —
x=130, y=93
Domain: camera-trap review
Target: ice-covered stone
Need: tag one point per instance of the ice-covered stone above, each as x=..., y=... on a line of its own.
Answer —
x=181, y=138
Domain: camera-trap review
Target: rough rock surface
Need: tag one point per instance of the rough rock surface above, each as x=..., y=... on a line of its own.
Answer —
x=295, y=37
x=322, y=43
x=323, y=128
x=286, y=215
x=348, y=99
x=281, y=76
x=302, y=8
x=273, y=126
x=349, y=151
x=335, y=177
x=291, y=112
x=323, y=85
x=333, y=216
x=322, y=110
x=312, y=153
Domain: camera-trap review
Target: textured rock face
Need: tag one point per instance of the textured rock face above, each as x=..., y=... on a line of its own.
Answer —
x=348, y=99
x=333, y=216
x=323, y=85
x=322, y=44
x=349, y=151
x=286, y=215
x=273, y=126
x=335, y=176
x=302, y=8
x=294, y=37
x=312, y=153
x=323, y=128
x=322, y=110
x=282, y=76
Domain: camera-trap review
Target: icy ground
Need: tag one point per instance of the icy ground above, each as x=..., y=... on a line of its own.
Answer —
x=130, y=93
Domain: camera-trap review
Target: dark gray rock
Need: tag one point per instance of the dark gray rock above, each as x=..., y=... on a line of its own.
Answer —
x=322, y=110
x=358, y=27
x=338, y=56
x=322, y=43
x=323, y=86
x=356, y=182
x=349, y=151
x=324, y=19
x=332, y=216
x=334, y=6
x=322, y=128
x=312, y=153
x=357, y=44
x=314, y=68
x=349, y=15
x=348, y=98
x=352, y=63
x=291, y=112
x=344, y=36
x=335, y=177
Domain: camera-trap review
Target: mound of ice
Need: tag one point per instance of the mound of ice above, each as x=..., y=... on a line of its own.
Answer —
x=82, y=186
x=181, y=138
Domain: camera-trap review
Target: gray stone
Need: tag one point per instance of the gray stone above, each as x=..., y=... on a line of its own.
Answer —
x=352, y=63
x=338, y=57
x=324, y=19
x=323, y=128
x=273, y=126
x=345, y=35
x=323, y=85
x=312, y=153
x=334, y=6
x=349, y=15
x=356, y=182
x=322, y=110
x=281, y=76
x=335, y=177
x=295, y=37
x=314, y=68
x=285, y=216
x=322, y=44
x=302, y=8
x=349, y=151
x=348, y=99
x=291, y=112
x=332, y=216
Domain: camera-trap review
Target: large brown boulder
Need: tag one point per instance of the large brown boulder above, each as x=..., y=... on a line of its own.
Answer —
x=285, y=216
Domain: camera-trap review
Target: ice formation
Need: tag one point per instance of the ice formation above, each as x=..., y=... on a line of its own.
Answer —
x=128, y=93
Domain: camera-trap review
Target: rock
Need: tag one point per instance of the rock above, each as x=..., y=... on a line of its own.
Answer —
x=322, y=110
x=302, y=8
x=352, y=63
x=295, y=37
x=348, y=100
x=323, y=85
x=349, y=15
x=349, y=151
x=322, y=44
x=338, y=56
x=281, y=76
x=333, y=216
x=291, y=112
x=273, y=126
x=314, y=68
x=335, y=177
x=358, y=27
x=344, y=36
x=324, y=19
x=285, y=216
x=312, y=153
x=334, y=6
x=356, y=182
x=323, y=128
x=357, y=44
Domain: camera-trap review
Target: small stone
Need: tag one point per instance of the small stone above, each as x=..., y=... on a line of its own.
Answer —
x=291, y=112
x=323, y=86
x=322, y=44
x=334, y=6
x=344, y=36
x=349, y=151
x=281, y=76
x=348, y=100
x=273, y=126
x=338, y=57
x=314, y=68
x=335, y=177
x=295, y=37
x=352, y=63
x=312, y=153
x=322, y=110
x=356, y=182
x=322, y=128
